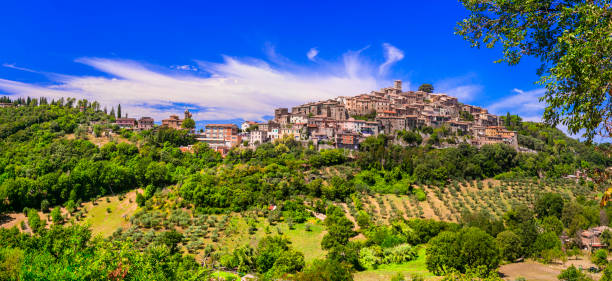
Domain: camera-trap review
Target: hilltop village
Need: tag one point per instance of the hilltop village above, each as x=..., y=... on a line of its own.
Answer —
x=346, y=121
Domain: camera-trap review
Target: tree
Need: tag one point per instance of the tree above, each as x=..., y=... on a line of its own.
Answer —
x=188, y=123
x=56, y=216
x=171, y=239
x=11, y=260
x=339, y=228
x=119, y=111
x=549, y=204
x=509, y=244
x=428, y=88
x=607, y=274
x=34, y=220
x=326, y=270
x=442, y=253
x=573, y=274
x=571, y=39
x=552, y=224
x=469, y=248
x=600, y=258
x=547, y=246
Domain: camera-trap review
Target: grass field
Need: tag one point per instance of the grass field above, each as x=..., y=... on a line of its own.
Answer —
x=307, y=242
x=385, y=272
x=104, y=223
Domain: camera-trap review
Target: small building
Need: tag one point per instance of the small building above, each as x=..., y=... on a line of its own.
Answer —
x=590, y=239
x=220, y=131
x=347, y=140
x=172, y=122
x=146, y=123
x=126, y=123
x=247, y=124
x=258, y=137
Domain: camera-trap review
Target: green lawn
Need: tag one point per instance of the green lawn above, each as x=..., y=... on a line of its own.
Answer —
x=307, y=242
x=105, y=223
x=385, y=272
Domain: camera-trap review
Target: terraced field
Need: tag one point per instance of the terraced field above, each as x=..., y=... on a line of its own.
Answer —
x=448, y=202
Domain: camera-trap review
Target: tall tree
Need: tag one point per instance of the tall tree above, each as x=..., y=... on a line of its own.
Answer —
x=119, y=111
x=508, y=119
x=572, y=41
x=426, y=88
x=188, y=123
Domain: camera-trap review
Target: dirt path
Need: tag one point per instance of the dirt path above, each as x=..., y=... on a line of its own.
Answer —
x=348, y=214
x=534, y=271
x=433, y=200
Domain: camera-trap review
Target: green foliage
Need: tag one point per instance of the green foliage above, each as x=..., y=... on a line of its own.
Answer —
x=573, y=274
x=428, y=88
x=11, y=260
x=367, y=117
x=468, y=248
x=56, y=216
x=482, y=220
x=188, y=123
x=600, y=258
x=34, y=221
x=339, y=228
x=171, y=239
x=296, y=211
x=552, y=224
x=466, y=116
x=373, y=256
x=328, y=158
x=326, y=270
x=510, y=245
x=572, y=41
x=549, y=204
x=69, y=253
x=546, y=242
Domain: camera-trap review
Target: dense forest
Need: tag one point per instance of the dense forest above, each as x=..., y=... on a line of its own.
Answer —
x=48, y=159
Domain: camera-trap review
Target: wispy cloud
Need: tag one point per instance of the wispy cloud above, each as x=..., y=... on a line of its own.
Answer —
x=392, y=55
x=184, y=67
x=465, y=88
x=524, y=103
x=13, y=66
x=312, y=54
x=235, y=88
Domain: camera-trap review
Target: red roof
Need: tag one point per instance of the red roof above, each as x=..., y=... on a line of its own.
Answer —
x=222, y=125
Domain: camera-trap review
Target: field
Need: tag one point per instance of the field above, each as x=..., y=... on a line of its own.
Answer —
x=107, y=214
x=447, y=203
x=225, y=232
x=385, y=272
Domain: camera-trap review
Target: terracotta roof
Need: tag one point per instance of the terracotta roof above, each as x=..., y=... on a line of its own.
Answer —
x=222, y=125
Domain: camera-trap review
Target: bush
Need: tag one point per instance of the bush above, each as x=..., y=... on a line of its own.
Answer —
x=44, y=206
x=420, y=194
x=56, y=216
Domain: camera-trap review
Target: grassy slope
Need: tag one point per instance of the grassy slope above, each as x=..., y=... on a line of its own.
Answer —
x=105, y=223
x=385, y=272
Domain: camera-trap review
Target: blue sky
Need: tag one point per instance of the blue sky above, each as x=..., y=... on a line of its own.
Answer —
x=240, y=59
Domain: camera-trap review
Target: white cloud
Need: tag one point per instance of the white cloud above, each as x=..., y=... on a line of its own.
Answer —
x=463, y=87
x=234, y=88
x=312, y=54
x=185, y=67
x=392, y=55
x=524, y=103
x=13, y=66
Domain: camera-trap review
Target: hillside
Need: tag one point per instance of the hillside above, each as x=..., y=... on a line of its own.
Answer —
x=67, y=172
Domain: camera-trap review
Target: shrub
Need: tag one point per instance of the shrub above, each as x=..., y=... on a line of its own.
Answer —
x=419, y=194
